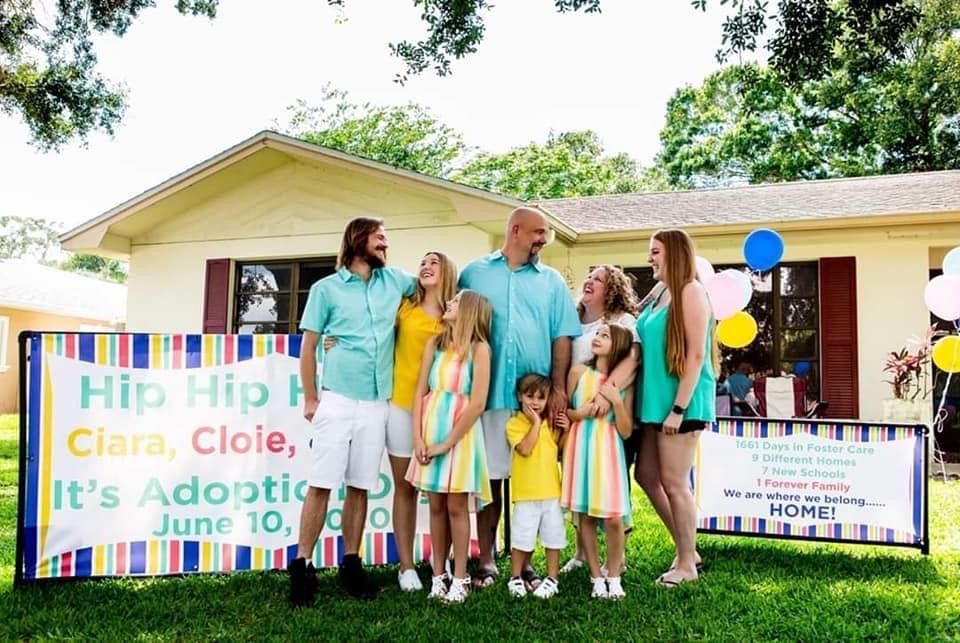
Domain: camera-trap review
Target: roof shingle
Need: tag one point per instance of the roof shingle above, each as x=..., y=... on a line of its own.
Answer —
x=928, y=192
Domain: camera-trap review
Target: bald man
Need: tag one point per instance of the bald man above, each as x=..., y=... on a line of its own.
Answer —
x=534, y=319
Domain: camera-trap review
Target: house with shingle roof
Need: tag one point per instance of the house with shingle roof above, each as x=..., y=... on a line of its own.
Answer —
x=261, y=221
x=38, y=297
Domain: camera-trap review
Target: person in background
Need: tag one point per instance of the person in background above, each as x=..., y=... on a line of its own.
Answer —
x=739, y=386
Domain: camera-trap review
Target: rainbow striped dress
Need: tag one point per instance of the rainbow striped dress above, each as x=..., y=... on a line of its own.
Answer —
x=595, y=480
x=462, y=469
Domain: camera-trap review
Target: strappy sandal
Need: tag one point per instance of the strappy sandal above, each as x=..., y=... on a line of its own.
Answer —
x=484, y=577
x=530, y=579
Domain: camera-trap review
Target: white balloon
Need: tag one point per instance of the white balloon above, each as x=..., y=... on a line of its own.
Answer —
x=745, y=284
x=704, y=269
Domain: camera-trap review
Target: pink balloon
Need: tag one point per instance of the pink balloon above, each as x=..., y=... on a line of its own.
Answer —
x=704, y=269
x=726, y=295
x=942, y=296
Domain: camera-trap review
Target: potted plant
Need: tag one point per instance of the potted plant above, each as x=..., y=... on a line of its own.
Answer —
x=909, y=377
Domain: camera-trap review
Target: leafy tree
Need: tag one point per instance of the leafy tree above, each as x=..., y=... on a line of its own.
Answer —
x=568, y=164
x=38, y=239
x=408, y=136
x=27, y=237
x=48, y=64
x=107, y=269
x=807, y=35
x=750, y=124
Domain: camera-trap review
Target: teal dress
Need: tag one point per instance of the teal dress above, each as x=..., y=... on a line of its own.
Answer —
x=659, y=386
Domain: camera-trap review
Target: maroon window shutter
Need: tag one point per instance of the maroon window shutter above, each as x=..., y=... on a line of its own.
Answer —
x=216, y=296
x=838, y=337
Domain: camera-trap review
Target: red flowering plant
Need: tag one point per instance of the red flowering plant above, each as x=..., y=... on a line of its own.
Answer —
x=908, y=368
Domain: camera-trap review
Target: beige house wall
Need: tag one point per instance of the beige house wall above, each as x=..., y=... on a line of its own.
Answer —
x=294, y=211
x=21, y=320
x=892, y=271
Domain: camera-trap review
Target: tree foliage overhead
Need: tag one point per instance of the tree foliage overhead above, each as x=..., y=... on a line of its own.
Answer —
x=48, y=65
x=569, y=164
x=807, y=33
x=752, y=124
x=407, y=136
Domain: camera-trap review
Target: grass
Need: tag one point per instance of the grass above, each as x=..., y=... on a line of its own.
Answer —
x=755, y=589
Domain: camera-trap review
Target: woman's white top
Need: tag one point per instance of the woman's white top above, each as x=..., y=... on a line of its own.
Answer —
x=581, y=345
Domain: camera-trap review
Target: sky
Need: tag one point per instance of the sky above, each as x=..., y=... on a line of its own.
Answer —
x=197, y=87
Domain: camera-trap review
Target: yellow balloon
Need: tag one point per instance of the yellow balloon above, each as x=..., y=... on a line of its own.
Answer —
x=946, y=354
x=737, y=331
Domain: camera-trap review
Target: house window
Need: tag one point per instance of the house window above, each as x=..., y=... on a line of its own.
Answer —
x=785, y=305
x=4, y=334
x=270, y=296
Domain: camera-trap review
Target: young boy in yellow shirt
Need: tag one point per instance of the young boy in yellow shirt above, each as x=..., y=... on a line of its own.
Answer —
x=535, y=486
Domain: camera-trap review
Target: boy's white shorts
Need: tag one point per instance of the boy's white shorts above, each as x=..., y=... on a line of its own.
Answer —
x=532, y=518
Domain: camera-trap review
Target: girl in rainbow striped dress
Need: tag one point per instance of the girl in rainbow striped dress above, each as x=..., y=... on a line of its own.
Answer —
x=595, y=483
x=450, y=461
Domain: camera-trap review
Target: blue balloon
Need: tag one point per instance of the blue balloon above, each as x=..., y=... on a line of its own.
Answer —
x=801, y=369
x=763, y=249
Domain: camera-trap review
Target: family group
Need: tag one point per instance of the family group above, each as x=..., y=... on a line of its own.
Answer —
x=496, y=375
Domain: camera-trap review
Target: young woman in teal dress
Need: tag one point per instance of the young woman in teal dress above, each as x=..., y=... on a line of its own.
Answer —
x=678, y=386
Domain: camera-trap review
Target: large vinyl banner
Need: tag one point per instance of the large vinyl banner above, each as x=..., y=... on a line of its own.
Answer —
x=820, y=479
x=170, y=454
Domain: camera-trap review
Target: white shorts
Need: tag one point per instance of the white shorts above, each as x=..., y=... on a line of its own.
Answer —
x=399, y=432
x=495, y=441
x=347, y=442
x=537, y=517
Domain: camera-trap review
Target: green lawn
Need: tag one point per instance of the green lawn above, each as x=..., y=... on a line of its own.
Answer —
x=754, y=590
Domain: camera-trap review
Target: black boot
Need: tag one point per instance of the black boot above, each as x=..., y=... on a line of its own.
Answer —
x=303, y=582
x=354, y=579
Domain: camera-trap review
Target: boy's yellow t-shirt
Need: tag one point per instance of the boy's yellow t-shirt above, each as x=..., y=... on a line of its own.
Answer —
x=536, y=476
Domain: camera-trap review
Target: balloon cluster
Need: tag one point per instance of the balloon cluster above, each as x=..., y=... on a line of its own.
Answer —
x=730, y=290
x=942, y=296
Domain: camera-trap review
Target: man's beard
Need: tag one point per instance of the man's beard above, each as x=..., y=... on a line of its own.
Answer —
x=374, y=261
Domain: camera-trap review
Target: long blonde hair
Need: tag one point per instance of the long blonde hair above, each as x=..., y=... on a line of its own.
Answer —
x=681, y=268
x=448, y=281
x=472, y=324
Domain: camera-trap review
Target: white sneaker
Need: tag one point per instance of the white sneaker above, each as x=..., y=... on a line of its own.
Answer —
x=599, y=587
x=615, y=588
x=516, y=587
x=438, y=588
x=409, y=581
x=572, y=564
x=459, y=588
x=547, y=589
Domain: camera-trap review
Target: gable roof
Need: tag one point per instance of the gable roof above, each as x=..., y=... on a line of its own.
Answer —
x=32, y=286
x=96, y=232
x=799, y=201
